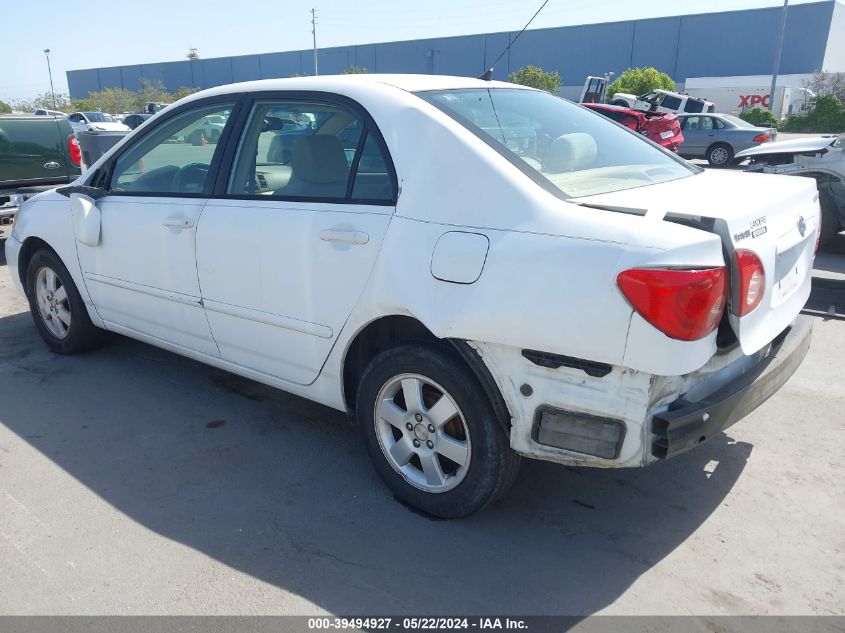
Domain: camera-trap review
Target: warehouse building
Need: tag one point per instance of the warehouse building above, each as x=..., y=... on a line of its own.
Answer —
x=708, y=45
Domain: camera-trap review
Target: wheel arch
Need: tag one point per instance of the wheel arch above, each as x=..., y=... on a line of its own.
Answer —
x=715, y=143
x=390, y=330
x=29, y=247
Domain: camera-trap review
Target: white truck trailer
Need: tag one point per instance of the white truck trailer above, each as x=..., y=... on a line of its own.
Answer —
x=732, y=95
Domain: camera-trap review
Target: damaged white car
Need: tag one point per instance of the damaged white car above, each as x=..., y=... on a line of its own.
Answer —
x=821, y=158
x=475, y=271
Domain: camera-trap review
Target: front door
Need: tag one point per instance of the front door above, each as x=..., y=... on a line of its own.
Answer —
x=142, y=275
x=286, y=249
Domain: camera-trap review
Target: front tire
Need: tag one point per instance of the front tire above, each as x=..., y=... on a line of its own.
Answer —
x=720, y=155
x=60, y=315
x=432, y=433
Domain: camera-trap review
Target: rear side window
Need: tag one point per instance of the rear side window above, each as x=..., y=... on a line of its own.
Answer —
x=673, y=103
x=693, y=105
x=294, y=149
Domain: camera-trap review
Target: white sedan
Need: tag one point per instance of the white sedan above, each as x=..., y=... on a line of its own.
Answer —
x=95, y=122
x=475, y=271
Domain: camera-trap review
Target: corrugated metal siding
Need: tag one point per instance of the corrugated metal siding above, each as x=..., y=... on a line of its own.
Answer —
x=706, y=45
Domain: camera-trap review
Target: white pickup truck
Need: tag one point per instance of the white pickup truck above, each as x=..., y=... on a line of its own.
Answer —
x=663, y=101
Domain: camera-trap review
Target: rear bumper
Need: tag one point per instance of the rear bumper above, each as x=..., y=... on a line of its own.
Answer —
x=686, y=424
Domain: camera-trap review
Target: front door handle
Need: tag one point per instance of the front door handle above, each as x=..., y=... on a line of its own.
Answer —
x=351, y=237
x=178, y=223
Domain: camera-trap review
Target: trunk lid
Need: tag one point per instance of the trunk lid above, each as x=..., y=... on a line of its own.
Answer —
x=664, y=129
x=775, y=217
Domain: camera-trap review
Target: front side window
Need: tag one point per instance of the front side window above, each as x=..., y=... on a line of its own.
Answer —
x=560, y=145
x=299, y=149
x=173, y=158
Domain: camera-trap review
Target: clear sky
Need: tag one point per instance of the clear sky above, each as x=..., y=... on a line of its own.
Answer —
x=95, y=34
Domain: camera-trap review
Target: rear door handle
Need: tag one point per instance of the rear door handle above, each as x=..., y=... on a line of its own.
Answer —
x=351, y=237
x=178, y=223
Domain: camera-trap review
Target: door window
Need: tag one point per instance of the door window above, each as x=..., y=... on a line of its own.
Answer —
x=693, y=105
x=175, y=157
x=297, y=149
x=698, y=123
x=671, y=102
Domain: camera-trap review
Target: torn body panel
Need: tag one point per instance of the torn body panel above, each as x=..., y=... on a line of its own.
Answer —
x=662, y=415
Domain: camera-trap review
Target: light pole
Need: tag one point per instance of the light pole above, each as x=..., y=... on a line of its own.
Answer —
x=314, y=34
x=50, y=72
x=778, y=49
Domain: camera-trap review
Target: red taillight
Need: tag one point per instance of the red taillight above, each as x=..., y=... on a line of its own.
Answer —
x=73, y=150
x=751, y=282
x=761, y=138
x=683, y=304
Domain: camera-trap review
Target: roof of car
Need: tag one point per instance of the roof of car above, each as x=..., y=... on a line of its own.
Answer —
x=408, y=82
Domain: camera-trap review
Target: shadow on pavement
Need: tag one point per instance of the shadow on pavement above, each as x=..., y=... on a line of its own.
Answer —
x=280, y=489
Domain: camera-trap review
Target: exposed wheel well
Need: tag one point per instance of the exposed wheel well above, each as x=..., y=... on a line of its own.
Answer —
x=28, y=249
x=393, y=330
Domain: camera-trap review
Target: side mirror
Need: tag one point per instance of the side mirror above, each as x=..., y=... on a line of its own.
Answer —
x=86, y=219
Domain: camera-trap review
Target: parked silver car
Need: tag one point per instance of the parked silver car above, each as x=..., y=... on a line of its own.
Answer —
x=719, y=137
x=821, y=158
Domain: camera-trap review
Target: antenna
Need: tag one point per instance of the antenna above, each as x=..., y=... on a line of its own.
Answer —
x=314, y=34
x=488, y=74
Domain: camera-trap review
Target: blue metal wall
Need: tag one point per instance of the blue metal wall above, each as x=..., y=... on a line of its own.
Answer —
x=705, y=45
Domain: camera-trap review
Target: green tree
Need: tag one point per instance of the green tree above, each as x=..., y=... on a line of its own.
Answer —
x=5, y=108
x=44, y=101
x=759, y=116
x=826, y=117
x=639, y=81
x=113, y=100
x=180, y=93
x=82, y=105
x=152, y=92
x=536, y=78
x=352, y=69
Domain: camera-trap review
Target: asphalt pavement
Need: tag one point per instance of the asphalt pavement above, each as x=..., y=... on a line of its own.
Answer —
x=134, y=481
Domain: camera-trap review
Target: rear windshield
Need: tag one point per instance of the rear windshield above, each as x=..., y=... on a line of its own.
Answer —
x=98, y=117
x=564, y=148
x=737, y=121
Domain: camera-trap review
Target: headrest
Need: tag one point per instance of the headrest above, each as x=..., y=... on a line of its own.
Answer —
x=571, y=152
x=319, y=158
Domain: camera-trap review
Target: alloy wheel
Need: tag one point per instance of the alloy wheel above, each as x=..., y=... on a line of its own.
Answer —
x=53, y=306
x=422, y=433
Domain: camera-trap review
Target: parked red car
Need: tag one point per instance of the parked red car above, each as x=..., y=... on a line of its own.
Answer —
x=664, y=129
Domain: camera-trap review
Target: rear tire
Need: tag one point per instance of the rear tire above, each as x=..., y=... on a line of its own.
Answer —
x=441, y=449
x=830, y=219
x=720, y=155
x=60, y=315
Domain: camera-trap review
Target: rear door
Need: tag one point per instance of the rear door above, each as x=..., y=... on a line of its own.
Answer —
x=285, y=247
